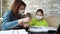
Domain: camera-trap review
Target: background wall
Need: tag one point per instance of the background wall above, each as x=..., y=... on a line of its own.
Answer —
x=51, y=9
x=0, y=8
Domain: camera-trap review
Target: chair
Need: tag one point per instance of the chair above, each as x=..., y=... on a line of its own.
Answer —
x=58, y=30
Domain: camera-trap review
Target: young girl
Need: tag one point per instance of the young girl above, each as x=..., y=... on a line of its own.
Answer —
x=27, y=15
x=39, y=19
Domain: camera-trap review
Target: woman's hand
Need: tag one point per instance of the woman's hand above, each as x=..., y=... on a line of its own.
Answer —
x=20, y=22
x=25, y=25
x=24, y=20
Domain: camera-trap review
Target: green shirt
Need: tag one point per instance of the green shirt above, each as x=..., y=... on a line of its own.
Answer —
x=36, y=22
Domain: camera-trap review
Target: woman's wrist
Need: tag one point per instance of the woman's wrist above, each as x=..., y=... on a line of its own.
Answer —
x=20, y=21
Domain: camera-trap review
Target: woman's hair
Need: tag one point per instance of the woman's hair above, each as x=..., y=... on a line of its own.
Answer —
x=40, y=10
x=16, y=5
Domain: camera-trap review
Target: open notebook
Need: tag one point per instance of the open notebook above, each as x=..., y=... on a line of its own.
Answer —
x=41, y=29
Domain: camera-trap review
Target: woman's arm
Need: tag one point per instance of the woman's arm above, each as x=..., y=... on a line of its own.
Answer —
x=6, y=23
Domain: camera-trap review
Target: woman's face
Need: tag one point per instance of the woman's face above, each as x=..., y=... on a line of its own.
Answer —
x=21, y=9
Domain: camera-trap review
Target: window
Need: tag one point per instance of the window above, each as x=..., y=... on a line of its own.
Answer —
x=6, y=5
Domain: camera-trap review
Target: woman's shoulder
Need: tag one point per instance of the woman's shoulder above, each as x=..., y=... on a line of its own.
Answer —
x=7, y=13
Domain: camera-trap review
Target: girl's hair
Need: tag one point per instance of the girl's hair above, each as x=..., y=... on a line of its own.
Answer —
x=27, y=15
x=40, y=10
x=16, y=5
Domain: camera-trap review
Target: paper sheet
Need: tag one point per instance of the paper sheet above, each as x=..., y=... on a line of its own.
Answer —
x=6, y=32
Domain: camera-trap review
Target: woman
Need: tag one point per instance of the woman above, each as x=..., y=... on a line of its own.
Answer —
x=39, y=19
x=13, y=19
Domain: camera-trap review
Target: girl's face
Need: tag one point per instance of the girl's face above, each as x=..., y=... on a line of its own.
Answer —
x=39, y=14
